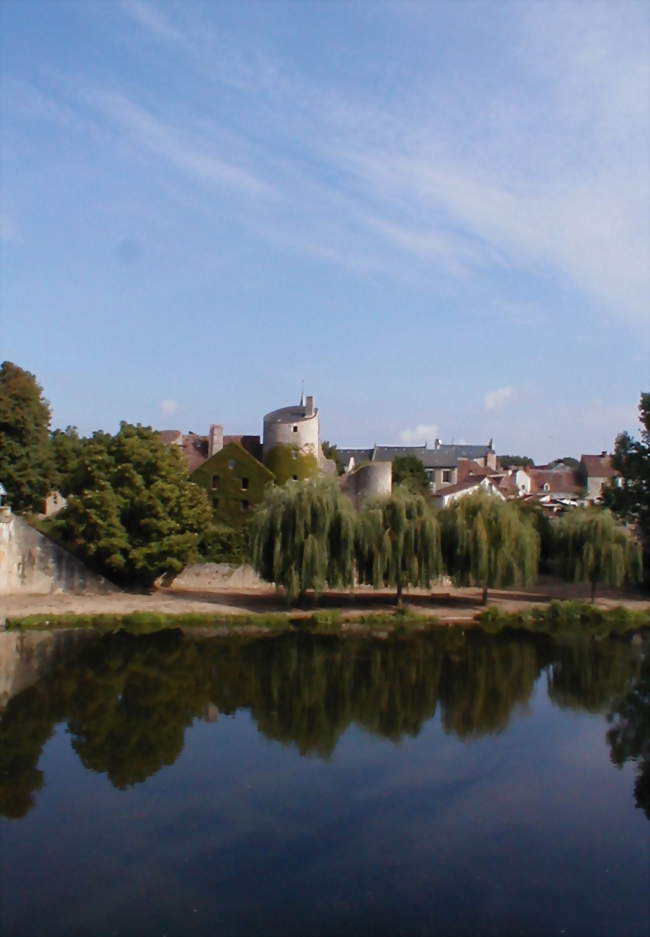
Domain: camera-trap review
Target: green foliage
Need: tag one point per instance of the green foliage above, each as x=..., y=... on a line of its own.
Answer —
x=566, y=618
x=591, y=547
x=567, y=460
x=330, y=451
x=631, y=500
x=222, y=544
x=533, y=512
x=515, y=461
x=133, y=514
x=25, y=463
x=488, y=542
x=288, y=463
x=409, y=471
x=66, y=448
x=302, y=537
x=398, y=542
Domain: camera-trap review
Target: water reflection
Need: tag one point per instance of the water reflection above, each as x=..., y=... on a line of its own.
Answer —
x=127, y=700
x=629, y=737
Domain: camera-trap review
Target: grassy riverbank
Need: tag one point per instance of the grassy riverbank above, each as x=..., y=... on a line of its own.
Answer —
x=552, y=618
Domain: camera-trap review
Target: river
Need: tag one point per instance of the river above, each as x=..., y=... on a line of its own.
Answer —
x=454, y=783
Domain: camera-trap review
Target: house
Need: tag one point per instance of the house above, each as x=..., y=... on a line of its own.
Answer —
x=444, y=497
x=235, y=482
x=597, y=471
x=441, y=463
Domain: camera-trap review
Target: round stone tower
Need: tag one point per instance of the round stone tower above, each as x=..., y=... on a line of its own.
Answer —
x=294, y=426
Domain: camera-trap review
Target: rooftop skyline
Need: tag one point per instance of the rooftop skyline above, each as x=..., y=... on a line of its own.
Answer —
x=436, y=215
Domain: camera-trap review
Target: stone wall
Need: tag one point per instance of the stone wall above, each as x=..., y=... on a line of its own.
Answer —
x=30, y=562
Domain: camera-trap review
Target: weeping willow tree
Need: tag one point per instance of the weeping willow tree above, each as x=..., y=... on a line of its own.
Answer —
x=398, y=542
x=487, y=542
x=302, y=537
x=591, y=547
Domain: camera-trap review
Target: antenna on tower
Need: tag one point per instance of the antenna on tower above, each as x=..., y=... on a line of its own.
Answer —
x=302, y=393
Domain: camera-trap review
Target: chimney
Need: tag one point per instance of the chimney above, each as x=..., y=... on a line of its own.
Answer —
x=309, y=406
x=215, y=439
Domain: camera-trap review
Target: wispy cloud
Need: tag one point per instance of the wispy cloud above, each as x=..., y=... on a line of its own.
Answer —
x=495, y=399
x=423, y=432
x=189, y=152
x=151, y=17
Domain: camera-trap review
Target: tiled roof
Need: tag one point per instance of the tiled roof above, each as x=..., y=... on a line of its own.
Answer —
x=194, y=451
x=557, y=481
x=467, y=468
x=169, y=436
x=598, y=466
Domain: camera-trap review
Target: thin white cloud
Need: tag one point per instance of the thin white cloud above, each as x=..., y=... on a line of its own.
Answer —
x=168, y=407
x=152, y=19
x=495, y=399
x=423, y=432
x=193, y=154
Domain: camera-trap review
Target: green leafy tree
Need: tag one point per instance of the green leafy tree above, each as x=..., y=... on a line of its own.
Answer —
x=25, y=464
x=629, y=498
x=66, y=447
x=398, y=542
x=330, y=451
x=302, y=537
x=567, y=460
x=487, y=542
x=592, y=547
x=409, y=471
x=133, y=515
x=515, y=461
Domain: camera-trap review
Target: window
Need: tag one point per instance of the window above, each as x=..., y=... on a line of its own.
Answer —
x=215, y=482
x=546, y=487
x=215, y=503
x=446, y=475
x=245, y=505
x=244, y=484
x=294, y=428
x=231, y=464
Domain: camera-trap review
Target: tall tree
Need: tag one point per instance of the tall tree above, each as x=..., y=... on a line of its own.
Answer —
x=302, y=537
x=409, y=471
x=487, y=542
x=398, y=542
x=133, y=514
x=66, y=447
x=629, y=498
x=25, y=465
x=591, y=547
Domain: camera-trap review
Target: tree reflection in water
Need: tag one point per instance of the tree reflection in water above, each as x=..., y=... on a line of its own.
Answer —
x=127, y=700
x=629, y=736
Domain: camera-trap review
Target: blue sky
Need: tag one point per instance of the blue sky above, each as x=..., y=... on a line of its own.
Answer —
x=436, y=214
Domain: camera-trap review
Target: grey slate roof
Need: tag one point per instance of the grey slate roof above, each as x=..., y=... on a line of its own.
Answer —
x=444, y=456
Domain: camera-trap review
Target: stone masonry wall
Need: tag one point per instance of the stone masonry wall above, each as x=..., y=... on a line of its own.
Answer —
x=30, y=562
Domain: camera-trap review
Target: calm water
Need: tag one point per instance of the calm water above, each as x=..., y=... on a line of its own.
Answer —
x=444, y=784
